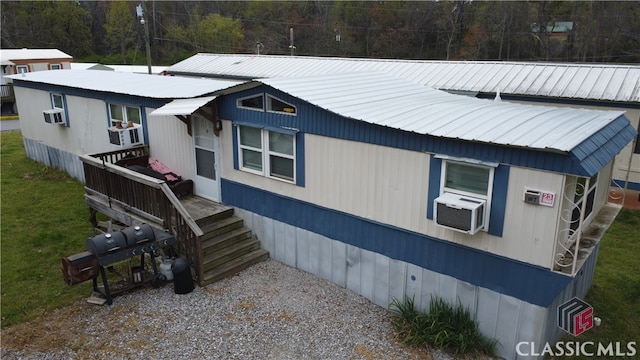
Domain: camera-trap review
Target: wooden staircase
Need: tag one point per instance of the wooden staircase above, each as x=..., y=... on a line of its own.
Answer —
x=228, y=246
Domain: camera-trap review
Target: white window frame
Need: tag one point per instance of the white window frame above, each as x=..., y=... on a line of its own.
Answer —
x=53, y=102
x=22, y=69
x=268, y=99
x=125, y=116
x=56, y=66
x=486, y=197
x=240, y=106
x=266, y=153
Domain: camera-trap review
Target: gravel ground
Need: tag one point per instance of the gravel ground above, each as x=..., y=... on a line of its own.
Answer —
x=269, y=311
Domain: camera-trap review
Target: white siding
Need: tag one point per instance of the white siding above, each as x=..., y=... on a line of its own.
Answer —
x=390, y=186
x=170, y=142
x=87, y=131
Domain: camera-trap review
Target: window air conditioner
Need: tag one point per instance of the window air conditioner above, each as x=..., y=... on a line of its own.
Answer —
x=460, y=213
x=54, y=116
x=126, y=137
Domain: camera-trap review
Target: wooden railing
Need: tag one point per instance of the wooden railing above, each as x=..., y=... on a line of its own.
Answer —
x=131, y=197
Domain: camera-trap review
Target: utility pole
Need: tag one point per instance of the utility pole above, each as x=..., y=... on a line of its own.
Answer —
x=292, y=47
x=140, y=12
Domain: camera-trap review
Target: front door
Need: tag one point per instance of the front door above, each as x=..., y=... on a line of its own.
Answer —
x=207, y=157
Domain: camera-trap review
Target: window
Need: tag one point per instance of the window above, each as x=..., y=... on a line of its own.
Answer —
x=275, y=105
x=579, y=198
x=256, y=102
x=267, y=153
x=56, y=66
x=469, y=180
x=122, y=116
x=57, y=101
x=252, y=102
x=22, y=69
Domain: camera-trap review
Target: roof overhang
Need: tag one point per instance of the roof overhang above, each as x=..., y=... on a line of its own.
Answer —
x=182, y=106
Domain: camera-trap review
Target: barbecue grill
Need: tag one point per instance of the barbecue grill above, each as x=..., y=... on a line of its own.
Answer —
x=106, y=249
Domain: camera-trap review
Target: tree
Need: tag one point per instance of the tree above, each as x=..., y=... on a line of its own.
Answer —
x=120, y=31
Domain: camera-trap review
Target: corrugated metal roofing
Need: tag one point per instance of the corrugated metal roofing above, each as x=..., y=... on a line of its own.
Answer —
x=182, y=106
x=29, y=54
x=389, y=101
x=597, y=82
x=144, y=85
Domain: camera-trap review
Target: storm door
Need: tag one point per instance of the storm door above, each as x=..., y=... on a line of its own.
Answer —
x=207, y=158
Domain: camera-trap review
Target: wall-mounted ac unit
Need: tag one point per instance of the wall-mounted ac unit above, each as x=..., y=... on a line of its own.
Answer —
x=130, y=136
x=460, y=213
x=54, y=116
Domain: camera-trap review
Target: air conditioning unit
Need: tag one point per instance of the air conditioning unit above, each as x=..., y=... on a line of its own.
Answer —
x=460, y=213
x=130, y=136
x=54, y=116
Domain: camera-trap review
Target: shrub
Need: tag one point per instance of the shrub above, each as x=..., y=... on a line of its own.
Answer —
x=445, y=327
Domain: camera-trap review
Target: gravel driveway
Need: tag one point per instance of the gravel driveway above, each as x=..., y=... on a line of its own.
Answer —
x=269, y=311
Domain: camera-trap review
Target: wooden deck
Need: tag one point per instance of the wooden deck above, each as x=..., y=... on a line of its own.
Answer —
x=201, y=209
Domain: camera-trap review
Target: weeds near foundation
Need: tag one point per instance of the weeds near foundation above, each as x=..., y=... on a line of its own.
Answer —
x=445, y=327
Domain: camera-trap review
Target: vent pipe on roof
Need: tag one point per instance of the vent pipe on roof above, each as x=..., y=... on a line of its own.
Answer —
x=497, y=98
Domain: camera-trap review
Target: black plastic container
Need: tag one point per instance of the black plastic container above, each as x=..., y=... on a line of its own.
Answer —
x=182, y=281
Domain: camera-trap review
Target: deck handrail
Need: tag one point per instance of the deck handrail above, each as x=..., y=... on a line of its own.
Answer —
x=144, y=196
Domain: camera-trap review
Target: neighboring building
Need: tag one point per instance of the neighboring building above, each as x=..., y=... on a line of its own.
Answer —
x=68, y=113
x=17, y=61
x=589, y=86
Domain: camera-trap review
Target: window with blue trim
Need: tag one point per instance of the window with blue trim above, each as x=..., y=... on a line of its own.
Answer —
x=473, y=181
x=122, y=116
x=267, y=153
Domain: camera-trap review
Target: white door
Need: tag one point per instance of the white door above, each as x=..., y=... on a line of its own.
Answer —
x=207, y=184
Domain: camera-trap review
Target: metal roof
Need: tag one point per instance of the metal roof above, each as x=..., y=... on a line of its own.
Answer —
x=385, y=100
x=182, y=106
x=144, y=85
x=29, y=54
x=596, y=82
x=141, y=69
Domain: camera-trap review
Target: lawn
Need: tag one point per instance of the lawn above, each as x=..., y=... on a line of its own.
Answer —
x=44, y=218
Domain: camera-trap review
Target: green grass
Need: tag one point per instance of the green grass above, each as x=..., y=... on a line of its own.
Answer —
x=615, y=293
x=446, y=327
x=43, y=218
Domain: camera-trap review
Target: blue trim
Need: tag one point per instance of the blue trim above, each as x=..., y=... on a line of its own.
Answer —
x=586, y=160
x=498, y=199
x=300, y=160
x=435, y=171
x=236, y=161
x=527, y=282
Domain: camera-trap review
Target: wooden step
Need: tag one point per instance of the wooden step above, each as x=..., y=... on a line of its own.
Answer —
x=211, y=219
x=227, y=239
x=222, y=226
x=234, y=266
x=226, y=254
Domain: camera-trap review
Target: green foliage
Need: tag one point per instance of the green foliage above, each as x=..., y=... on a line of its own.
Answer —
x=120, y=28
x=444, y=327
x=211, y=33
x=615, y=293
x=44, y=218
